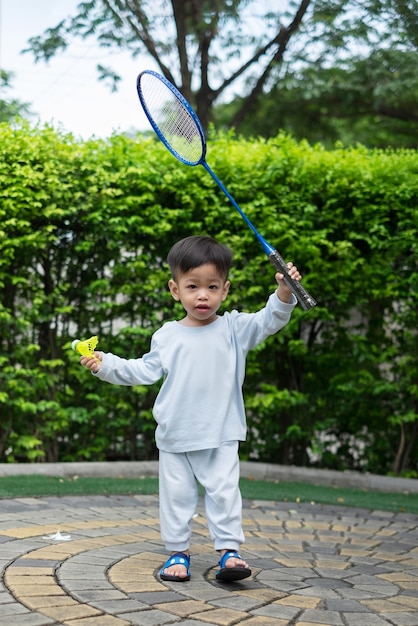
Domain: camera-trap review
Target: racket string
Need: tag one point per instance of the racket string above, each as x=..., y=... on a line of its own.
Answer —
x=173, y=119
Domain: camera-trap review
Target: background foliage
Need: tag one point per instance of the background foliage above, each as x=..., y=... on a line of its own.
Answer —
x=320, y=70
x=84, y=231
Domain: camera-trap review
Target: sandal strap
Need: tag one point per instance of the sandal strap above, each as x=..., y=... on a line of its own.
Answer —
x=179, y=558
x=228, y=555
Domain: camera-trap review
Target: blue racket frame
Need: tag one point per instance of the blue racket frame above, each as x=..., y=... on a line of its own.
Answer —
x=185, y=104
x=305, y=299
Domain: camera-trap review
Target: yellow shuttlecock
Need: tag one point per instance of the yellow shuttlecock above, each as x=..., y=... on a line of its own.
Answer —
x=85, y=348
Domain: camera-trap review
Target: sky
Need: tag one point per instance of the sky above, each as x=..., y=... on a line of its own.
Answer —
x=66, y=92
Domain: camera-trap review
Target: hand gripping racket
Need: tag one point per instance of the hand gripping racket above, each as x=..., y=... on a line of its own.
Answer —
x=180, y=130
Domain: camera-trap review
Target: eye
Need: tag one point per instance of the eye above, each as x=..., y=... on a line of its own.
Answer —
x=191, y=286
x=214, y=287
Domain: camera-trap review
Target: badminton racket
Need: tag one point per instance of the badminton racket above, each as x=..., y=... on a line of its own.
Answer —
x=180, y=130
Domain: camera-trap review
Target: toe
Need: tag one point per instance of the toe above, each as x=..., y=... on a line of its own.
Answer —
x=233, y=561
x=176, y=570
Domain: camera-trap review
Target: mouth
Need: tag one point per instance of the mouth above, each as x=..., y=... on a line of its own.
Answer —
x=202, y=307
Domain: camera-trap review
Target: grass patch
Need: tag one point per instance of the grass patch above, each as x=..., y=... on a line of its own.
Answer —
x=355, y=498
x=38, y=486
x=35, y=485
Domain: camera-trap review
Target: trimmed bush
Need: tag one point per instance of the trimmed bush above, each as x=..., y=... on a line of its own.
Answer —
x=84, y=232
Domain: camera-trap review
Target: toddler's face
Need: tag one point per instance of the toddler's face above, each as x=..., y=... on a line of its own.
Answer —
x=201, y=291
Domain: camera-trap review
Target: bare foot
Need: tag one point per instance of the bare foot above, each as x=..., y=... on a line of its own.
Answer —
x=178, y=569
x=233, y=562
x=232, y=567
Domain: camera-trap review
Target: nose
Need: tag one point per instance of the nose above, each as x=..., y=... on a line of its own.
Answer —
x=202, y=295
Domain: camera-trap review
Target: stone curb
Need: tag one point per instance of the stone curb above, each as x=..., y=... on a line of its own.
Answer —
x=256, y=471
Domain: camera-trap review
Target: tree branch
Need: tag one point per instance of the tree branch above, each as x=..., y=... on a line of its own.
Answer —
x=282, y=39
x=142, y=32
x=180, y=19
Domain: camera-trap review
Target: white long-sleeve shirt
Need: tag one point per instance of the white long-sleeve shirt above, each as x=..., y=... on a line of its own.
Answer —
x=200, y=404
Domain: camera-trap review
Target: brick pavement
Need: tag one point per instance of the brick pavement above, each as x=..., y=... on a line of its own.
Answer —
x=312, y=565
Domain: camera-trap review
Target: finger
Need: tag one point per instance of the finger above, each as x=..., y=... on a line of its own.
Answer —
x=294, y=274
x=88, y=361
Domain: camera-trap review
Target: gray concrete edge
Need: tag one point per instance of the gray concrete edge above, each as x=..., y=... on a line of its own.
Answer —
x=256, y=471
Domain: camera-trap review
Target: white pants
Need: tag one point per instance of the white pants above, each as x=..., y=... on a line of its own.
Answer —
x=217, y=470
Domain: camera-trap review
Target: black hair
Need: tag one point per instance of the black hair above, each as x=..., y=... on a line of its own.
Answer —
x=198, y=250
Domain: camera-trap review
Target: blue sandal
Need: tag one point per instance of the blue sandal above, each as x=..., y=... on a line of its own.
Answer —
x=232, y=573
x=179, y=558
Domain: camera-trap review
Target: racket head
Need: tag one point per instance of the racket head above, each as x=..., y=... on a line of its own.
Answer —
x=172, y=118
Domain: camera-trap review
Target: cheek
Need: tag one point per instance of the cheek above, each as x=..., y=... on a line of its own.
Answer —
x=184, y=296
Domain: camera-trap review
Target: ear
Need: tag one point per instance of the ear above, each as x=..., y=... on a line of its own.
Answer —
x=226, y=287
x=174, y=290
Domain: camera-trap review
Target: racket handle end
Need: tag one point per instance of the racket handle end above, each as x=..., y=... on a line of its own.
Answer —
x=304, y=298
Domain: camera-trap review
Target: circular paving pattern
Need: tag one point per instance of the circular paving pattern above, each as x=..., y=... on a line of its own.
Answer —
x=94, y=561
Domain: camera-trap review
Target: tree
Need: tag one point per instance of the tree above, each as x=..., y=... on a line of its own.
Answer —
x=208, y=49
x=10, y=108
x=372, y=101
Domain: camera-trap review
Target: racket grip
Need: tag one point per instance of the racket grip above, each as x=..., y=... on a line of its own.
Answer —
x=304, y=298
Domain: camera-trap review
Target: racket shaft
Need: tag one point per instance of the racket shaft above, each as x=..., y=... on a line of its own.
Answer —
x=304, y=298
x=265, y=245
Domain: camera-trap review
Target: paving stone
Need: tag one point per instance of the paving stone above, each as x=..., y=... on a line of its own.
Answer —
x=152, y=617
x=41, y=563
x=265, y=621
x=98, y=595
x=115, y=607
x=240, y=603
x=222, y=617
x=299, y=602
x=102, y=620
x=78, y=611
x=32, y=619
x=194, y=622
x=86, y=585
x=320, y=592
x=184, y=608
x=277, y=611
x=6, y=598
x=158, y=597
x=333, y=618
x=10, y=609
x=345, y=606
x=368, y=619
x=402, y=619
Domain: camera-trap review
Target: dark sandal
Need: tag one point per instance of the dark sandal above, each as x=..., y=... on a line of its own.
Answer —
x=232, y=573
x=179, y=558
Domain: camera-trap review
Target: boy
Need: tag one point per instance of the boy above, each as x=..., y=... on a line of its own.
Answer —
x=199, y=409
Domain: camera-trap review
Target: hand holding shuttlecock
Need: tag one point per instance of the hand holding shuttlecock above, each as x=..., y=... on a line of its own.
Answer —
x=85, y=348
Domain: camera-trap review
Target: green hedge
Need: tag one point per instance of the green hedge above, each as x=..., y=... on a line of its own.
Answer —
x=84, y=232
